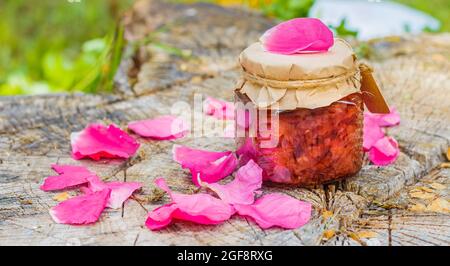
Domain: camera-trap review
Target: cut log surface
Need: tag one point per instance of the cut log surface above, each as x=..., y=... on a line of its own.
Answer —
x=176, y=52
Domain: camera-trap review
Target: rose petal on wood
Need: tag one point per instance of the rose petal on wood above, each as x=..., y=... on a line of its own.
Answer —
x=246, y=151
x=384, y=152
x=277, y=210
x=120, y=191
x=209, y=166
x=218, y=108
x=198, y=208
x=372, y=132
x=167, y=127
x=384, y=120
x=242, y=189
x=84, y=209
x=97, y=141
x=69, y=176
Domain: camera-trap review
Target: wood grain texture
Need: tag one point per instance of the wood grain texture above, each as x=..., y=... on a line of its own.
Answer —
x=178, y=51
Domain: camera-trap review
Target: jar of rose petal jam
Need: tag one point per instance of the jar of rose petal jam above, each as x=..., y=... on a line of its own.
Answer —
x=300, y=116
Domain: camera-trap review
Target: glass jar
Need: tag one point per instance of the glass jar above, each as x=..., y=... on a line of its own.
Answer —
x=314, y=146
x=300, y=117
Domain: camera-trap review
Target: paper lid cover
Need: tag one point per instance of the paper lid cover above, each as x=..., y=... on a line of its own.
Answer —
x=337, y=61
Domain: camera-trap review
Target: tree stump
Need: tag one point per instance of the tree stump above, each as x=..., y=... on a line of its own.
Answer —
x=176, y=51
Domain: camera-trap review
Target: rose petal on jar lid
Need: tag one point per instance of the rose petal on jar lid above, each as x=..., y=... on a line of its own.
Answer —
x=384, y=120
x=84, y=209
x=218, y=108
x=384, y=152
x=120, y=191
x=97, y=141
x=198, y=208
x=277, y=210
x=69, y=176
x=299, y=35
x=209, y=166
x=167, y=127
x=242, y=189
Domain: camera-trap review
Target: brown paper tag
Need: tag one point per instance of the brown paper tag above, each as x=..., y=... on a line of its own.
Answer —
x=371, y=94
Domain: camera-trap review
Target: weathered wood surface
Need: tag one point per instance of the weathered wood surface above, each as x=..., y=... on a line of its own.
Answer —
x=193, y=49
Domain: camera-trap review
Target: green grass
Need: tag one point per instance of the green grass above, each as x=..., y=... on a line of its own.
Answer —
x=440, y=9
x=50, y=46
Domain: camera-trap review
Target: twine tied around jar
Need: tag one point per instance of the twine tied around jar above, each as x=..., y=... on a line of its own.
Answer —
x=313, y=93
x=310, y=83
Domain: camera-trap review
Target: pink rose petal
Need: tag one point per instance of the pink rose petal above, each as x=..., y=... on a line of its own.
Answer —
x=120, y=191
x=218, y=108
x=277, y=210
x=384, y=120
x=160, y=217
x=84, y=209
x=209, y=166
x=246, y=152
x=372, y=133
x=97, y=141
x=299, y=35
x=385, y=151
x=189, y=158
x=382, y=150
x=198, y=208
x=167, y=127
x=69, y=176
x=242, y=189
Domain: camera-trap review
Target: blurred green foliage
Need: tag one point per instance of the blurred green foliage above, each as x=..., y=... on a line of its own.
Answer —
x=440, y=9
x=343, y=30
x=287, y=9
x=51, y=46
